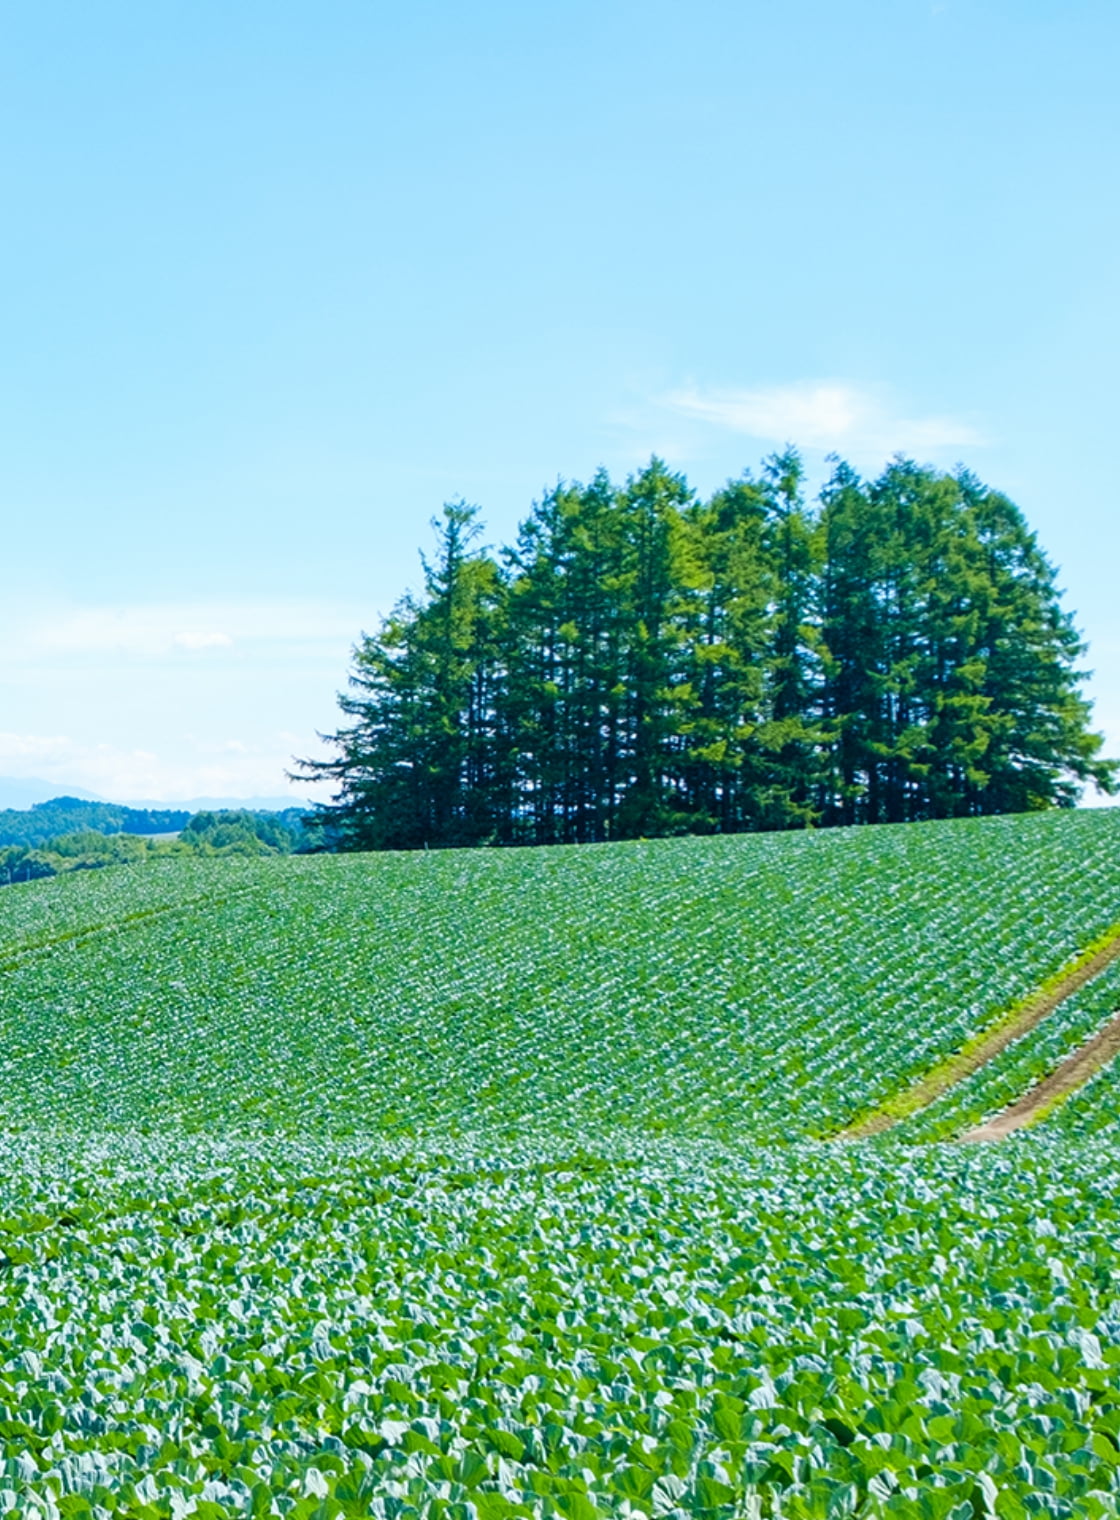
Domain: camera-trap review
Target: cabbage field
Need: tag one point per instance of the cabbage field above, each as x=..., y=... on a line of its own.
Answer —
x=499, y=1183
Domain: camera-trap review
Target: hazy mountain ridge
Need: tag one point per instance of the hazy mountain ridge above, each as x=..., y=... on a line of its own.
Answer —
x=19, y=793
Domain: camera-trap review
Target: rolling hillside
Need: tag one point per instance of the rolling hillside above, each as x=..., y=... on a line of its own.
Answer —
x=484, y=1184
x=746, y=988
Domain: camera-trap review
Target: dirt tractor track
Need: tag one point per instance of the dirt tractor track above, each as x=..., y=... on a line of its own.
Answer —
x=1069, y=1075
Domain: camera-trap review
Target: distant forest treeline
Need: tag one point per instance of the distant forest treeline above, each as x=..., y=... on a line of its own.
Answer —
x=64, y=815
x=68, y=834
x=645, y=662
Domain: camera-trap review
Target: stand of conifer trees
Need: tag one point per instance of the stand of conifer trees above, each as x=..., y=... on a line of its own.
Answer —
x=642, y=662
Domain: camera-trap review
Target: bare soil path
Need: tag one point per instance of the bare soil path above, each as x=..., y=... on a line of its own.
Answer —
x=1073, y=1073
x=980, y=1050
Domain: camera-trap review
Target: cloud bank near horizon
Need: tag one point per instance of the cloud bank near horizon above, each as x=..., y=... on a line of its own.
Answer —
x=195, y=766
x=173, y=700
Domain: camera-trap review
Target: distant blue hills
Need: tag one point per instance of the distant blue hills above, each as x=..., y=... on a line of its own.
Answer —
x=26, y=791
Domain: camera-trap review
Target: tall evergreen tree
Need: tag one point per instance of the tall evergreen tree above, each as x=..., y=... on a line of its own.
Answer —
x=950, y=668
x=565, y=693
x=647, y=590
x=851, y=653
x=1040, y=750
x=642, y=662
x=726, y=609
x=417, y=764
x=788, y=797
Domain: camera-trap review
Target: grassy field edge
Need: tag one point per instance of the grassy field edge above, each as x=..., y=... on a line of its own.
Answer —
x=1018, y=1019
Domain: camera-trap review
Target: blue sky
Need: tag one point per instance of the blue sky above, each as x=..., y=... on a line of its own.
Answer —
x=279, y=279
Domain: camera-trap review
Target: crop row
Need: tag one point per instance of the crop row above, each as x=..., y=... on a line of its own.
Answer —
x=1016, y=1069
x=1091, y=1113
x=315, y=1330
x=730, y=987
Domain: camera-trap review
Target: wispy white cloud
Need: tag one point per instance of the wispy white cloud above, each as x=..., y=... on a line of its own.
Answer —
x=825, y=414
x=200, y=640
x=159, y=629
x=22, y=747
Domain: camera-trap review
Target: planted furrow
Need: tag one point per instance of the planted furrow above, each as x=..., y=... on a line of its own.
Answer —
x=474, y=1186
x=1010, y=1027
x=1073, y=1073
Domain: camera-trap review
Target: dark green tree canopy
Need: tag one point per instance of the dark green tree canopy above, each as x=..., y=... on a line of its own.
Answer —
x=642, y=662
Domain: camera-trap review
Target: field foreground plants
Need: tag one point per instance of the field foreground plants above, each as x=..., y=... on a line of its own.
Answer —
x=493, y=1184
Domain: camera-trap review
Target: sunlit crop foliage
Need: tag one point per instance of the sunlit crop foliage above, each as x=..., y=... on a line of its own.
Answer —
x=484, y=1185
